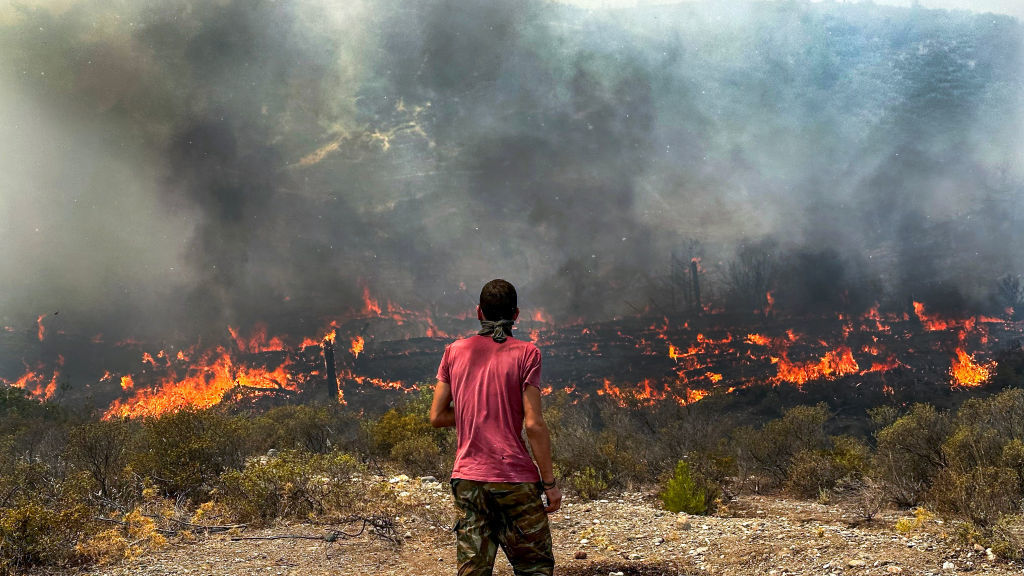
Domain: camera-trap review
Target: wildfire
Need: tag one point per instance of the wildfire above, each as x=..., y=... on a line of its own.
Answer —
x=202, y=386
x=41, y=331
x=35, y=382
x=258, y=341
x=539, y=315
x=931, y=322
x=832, y=365
x=127, y=383
x=758, y=339
x=370, y=306
x=966, y=372
x=357, y=346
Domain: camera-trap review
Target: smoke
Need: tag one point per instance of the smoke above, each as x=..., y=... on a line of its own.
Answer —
x=170, y=168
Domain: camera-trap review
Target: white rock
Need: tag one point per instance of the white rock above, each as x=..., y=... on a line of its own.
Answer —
x=947, y=565
x=989, y=554
x=584, y=541
x=634, y=556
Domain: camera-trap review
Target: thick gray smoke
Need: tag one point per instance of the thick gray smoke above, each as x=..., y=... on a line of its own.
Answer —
x=170, y=167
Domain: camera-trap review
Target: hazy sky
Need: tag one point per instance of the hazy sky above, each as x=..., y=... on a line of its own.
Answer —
x=1012, y=7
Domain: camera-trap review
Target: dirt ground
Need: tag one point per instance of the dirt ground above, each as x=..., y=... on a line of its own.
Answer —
x=627, y=534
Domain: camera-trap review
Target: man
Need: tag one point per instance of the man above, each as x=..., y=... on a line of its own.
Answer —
x=489, y=389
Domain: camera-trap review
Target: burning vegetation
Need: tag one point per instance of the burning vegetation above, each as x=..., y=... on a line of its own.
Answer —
x=632, y=361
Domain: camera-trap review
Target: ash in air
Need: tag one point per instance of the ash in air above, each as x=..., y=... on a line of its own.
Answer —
x=171, y=167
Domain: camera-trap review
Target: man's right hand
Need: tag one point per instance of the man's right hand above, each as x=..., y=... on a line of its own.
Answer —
x=554, y=499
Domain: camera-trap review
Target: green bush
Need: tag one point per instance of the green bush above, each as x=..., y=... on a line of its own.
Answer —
x=102, y=448
x=404, y=435
x=909, y=453
x=769, y=453
x=42, y=518
x=294, y=485
x=687, y=492
x=587, y=483
x=981, y=495
x=184, y=452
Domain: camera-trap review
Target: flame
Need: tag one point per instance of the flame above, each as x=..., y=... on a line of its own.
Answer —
x=41, y=331
x=35, y=382
x=931, y=322
x=834, y=364
x=673, y=352
x=258, y=341
x=202, y=386
x=370, y=306
x=539, y=315
x=127, y=383
x=769, y=303
x=966, y=372
x=692, y=396
x=758, y=339
x=357, y=346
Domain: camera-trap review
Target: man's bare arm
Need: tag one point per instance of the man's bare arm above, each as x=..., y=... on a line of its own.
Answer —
x=442, y=414
x=540, y=444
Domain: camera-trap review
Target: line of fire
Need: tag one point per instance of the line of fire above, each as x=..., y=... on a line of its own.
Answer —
x=639, y=360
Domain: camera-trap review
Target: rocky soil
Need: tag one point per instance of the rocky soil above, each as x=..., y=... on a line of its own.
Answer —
x=625, y=535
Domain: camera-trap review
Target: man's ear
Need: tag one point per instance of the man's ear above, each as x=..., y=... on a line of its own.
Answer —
x=515, y=315
x=479, y=314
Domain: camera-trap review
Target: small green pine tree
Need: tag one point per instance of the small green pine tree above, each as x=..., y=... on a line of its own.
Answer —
x=683, y=494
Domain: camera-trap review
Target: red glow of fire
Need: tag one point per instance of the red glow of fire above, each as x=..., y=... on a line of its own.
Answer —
x=357, y=346
x=931, y=322
x=257, y=341
x=371, y=307
x=832, y=365
x=966, y=372
x=41, y=331
x=202, y=386
x=36, y=383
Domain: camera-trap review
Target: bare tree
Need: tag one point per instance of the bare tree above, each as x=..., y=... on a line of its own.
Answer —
x=751, y=275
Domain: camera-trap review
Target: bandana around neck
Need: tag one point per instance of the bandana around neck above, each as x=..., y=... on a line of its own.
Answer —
x=499, y=331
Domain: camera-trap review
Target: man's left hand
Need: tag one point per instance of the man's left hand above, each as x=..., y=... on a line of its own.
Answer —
x=554, y=499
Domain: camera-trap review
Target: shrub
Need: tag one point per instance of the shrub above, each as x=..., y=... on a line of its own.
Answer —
x=314, y=428
x=43, y=519
x=587, y=483
x=404, y=434
x=102, y=448
x=981, y=495
x=184, y=452
x=907, y=525
x=687, y=492
x=812, y=472
x=909, y=453
x=295, y=485
x=769, y=452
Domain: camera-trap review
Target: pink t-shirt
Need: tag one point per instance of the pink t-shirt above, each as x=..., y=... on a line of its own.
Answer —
x=487, y=379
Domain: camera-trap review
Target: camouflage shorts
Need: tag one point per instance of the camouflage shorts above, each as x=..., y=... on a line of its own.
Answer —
x=505, y=514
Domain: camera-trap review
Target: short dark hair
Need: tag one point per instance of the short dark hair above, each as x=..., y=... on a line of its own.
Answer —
x=498, y=300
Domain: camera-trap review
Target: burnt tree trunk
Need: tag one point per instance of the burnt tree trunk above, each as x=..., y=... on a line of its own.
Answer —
x=331, y=370
x=695, y=280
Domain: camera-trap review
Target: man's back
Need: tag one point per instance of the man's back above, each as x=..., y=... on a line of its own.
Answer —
x=487, y=380
x=488, y=387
